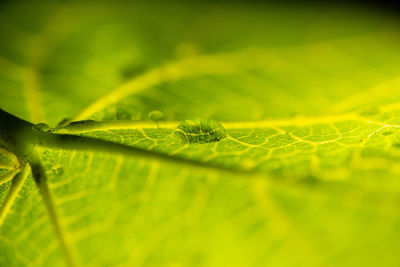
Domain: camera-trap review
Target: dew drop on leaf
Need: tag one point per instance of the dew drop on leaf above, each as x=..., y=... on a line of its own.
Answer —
x=157, y=115
x=200, y=130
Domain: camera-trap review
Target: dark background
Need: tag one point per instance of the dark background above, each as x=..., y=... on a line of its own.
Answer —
x=388, y=5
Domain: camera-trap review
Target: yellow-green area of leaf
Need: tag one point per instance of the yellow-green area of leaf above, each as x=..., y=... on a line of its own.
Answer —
x=299, y=165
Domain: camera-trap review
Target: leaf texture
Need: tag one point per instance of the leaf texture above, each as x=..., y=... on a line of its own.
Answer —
x=308, y=96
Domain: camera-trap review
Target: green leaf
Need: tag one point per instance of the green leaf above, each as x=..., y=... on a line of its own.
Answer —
x=295, y=162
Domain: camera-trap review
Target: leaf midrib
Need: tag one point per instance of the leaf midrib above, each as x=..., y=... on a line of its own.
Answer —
x=272, y=123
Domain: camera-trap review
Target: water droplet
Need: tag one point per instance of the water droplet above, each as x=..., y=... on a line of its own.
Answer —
x=120, y=112
x=200, y=130
x=42, y=127
x=157, y=115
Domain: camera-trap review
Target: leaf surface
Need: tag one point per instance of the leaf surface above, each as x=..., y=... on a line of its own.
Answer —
x=309, y=98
